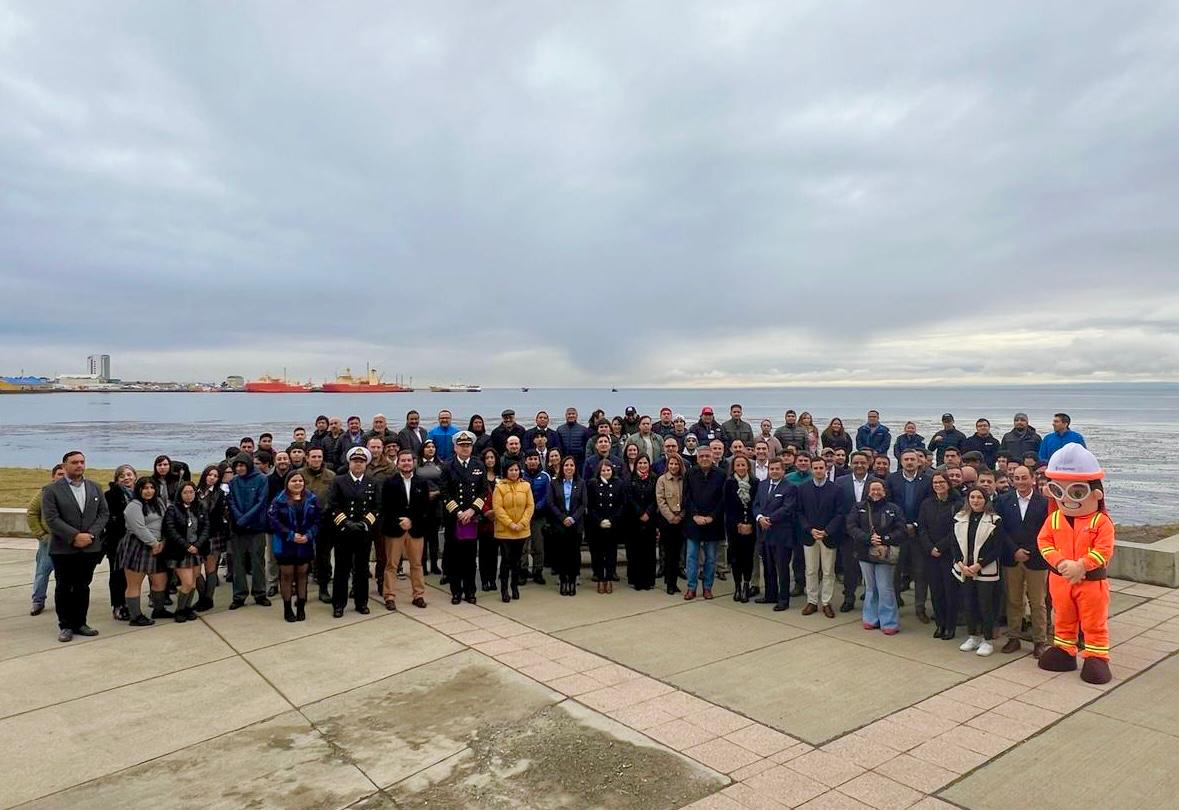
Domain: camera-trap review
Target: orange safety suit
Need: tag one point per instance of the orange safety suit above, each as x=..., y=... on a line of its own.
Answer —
x=1089, y=539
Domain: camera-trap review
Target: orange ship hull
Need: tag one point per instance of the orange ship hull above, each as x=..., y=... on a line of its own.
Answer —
x=364, y=388
x=274, y=387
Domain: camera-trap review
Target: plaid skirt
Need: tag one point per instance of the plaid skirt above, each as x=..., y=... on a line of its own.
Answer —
x=218, y=545
x=136, y=556
x=187, y=561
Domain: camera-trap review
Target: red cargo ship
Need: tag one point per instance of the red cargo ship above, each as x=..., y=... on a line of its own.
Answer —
x=369, y=384
x=273, y=385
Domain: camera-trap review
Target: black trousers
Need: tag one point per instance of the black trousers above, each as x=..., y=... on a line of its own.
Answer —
x=352, y=551
x=741, y=552
x=511, y=552
x=488, y=558
x=775, y=566
x=430, y=553
x=324, y=543
x=564, y=552
x=980, y=607
x=116, y=576
x=851, y=570
x=458, y=559
x=912, y=565
x=640, y=555
x=72, y=574
x=671, y=538
x=943, y=590
x=603, y=545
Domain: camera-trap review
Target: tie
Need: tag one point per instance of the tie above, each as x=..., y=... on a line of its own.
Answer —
x=773, y=486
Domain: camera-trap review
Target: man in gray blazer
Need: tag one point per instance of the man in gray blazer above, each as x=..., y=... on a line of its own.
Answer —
x=75, y=512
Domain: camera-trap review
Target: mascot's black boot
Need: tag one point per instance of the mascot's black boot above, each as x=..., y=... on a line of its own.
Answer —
x=1095, y=670
x=1055, y=659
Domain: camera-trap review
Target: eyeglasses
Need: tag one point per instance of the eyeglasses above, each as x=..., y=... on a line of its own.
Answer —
x=1075, y=491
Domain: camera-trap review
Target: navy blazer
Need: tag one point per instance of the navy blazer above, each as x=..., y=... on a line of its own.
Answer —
x=779, y=508
x=1022, y=532
x=894, y=490
x=576, y=502
x=819, y=508
x=847, y=491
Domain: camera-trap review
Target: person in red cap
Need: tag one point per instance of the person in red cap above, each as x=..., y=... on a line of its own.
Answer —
x=1077, y=541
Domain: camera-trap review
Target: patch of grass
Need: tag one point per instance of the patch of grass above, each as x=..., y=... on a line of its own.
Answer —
x=1147, y=534
x=18, y=485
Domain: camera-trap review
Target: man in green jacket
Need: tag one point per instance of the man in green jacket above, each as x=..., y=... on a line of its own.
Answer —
x=43, y=565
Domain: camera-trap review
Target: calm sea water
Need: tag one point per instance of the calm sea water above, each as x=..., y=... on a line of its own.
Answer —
x=1133, y=428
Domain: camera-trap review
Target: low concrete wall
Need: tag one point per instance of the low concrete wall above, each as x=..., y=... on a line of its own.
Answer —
x=13, y=523
x=1154, y=563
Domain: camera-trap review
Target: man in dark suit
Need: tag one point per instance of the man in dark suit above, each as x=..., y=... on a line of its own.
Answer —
x=464, y=491
x=908, y=489
x=704, y=520
x=852, y=489
x=773, y=510
x=542, y=427
x=405, y=506
x=352, y=514
x=75, y=512
x=1023, y=511
x=822, y=526
x=413, y=434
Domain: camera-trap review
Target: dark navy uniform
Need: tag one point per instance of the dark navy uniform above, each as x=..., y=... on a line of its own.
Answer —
x=462, y=488
x=605, y=501
x=354, y=509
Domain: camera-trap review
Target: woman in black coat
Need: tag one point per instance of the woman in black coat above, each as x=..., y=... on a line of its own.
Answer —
x=740, y=492
x=186, y=544
x=567, y=503
x=640, y=543
x=605, y=502
x=212, y=492
x=935, y=540
x=876, y=526
x=118, y=495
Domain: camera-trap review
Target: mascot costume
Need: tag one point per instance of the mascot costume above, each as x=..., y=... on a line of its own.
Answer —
x=1077, y=541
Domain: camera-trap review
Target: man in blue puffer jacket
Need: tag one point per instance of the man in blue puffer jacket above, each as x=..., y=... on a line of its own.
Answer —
x=248, y=502
x=873, y=436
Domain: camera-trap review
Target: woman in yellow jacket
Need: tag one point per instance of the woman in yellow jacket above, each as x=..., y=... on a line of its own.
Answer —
x=512, y=505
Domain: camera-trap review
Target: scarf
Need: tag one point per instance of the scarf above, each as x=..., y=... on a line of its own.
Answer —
x=743, y=491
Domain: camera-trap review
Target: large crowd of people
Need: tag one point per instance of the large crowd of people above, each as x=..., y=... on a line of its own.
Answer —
x=786, y=511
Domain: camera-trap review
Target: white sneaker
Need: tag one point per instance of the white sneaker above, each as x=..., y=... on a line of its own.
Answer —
x=985, y=648
x=971, y=644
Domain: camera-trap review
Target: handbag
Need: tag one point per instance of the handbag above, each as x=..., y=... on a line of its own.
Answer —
x=883, y=553
x=466, y=531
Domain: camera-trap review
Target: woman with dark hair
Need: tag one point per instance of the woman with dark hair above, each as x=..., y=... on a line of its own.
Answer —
x=294, y=522
x=211, y=494
x=482, y=438
x=935, y=540
x=162, y=477
x=513, y=507
x=552, y=463
x=186, y=537
x=640, y=544
x=597, y=416
x=630, y=458
x=567, y=504
x=488, y=546
x=807, y=423
x=669, y=498
x=617, y=436
x=877, y=530
x=740, y=490
x=430, y=470
x=976, y=550
x=605, y=501
x=835, y=437
x=118, y=495
x=141, y=553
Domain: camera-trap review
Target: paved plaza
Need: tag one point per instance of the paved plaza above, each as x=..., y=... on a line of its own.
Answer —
x=632, y=700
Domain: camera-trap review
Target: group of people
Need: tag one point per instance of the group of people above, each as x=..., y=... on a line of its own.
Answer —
x=784, y=510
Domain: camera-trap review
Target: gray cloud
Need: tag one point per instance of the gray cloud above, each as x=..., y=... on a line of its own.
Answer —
x=678, y=192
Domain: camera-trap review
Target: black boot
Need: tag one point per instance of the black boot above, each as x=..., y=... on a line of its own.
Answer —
x=538, y=577
x=300, y=612
x=515, y=591
x=324, y=595
x=287, y=613
x=503, y=592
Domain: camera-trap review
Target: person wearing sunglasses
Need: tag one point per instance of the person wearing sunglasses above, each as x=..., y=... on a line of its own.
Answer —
x=1077, y=542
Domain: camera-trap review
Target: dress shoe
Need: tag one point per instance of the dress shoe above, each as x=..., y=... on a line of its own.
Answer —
x=937, y=633
x=1038, y=648
x=418, y=602
x=390, y=605
x=362, y=609
x=781, y=606
x=456, y=600
x=262, y=601
x=515, y=592
x=538, y=577
x=922, y=616
x=1012, y=646
x=828, y=612
x=689, y=595
x=65, y=634
x=471, y=600
x=85, y=630
x=337, y=613
x=237, y=603
x=324, y=596
x=37, y=609
x=162, y=613
x=708, y=593
x=753, y=591
x=848, y=606
x=809, y=608
x=764, y=600
x=141, y=621
x=271, y=592
x=949, y=633
x=672, y=590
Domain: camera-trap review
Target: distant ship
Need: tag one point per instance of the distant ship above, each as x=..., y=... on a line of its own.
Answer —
x=460, y=388
x=369, y=384
x=525, y=390
x=273, y=385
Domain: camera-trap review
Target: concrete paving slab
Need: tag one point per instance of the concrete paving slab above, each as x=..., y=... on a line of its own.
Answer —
x=88, y=738
x=16, y=600
x=252, y=627
x=1121, y=602
x=406, y=723
x=1129, y=766
x=816, y=622
x=545, y=609
x=67, y=672
x=11, y=575
x=1148, y=700
x=23, y=635
x=9, y=556
x=664, y=642
x=914, y=643
x=315, y=667
x=816, y=687
x=282, y=762
x=605, y=765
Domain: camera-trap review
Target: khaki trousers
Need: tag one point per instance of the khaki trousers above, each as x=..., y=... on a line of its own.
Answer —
x=1022, y=581
x=394, y=548
x=820, y=573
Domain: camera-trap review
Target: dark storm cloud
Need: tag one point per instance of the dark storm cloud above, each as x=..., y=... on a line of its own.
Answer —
x=627, y=192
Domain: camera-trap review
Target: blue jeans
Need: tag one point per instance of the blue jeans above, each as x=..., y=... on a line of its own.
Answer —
x=880, y=597
x=694, y=547
x=43, y=568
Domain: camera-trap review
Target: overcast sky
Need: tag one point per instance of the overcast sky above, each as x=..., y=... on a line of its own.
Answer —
x=565, y=194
